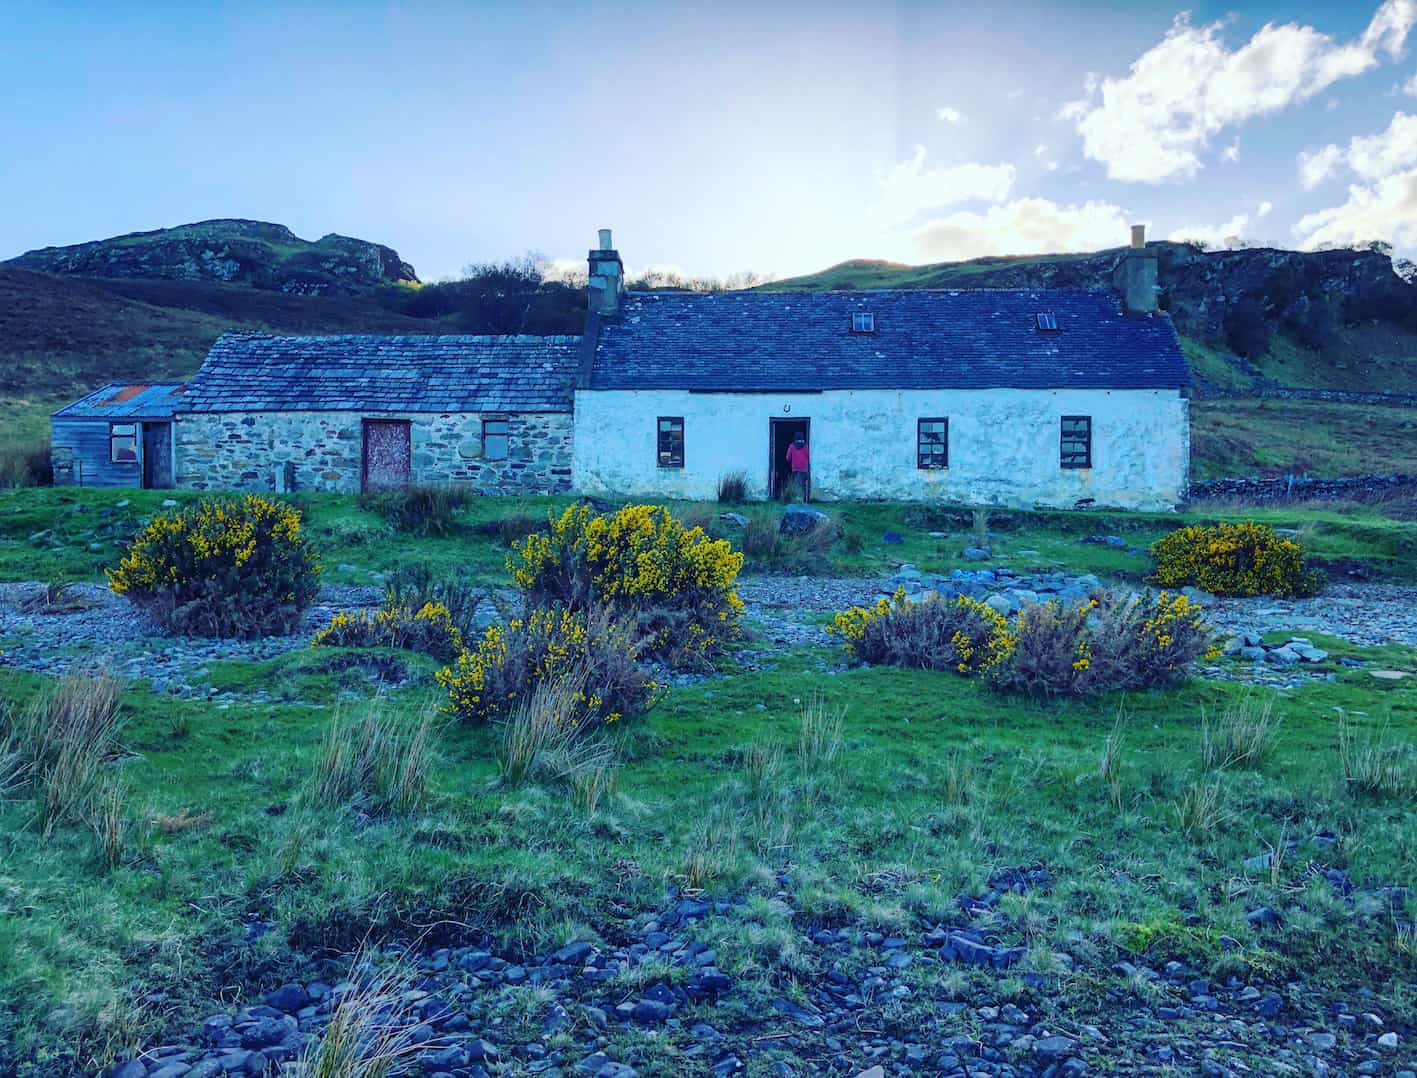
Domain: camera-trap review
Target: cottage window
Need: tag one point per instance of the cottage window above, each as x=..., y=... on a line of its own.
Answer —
x=123, y=443
x=1075, y=443
x=671, y=441
x=932, y=443
x=1047, y=322
x=863, y=323
x=494, y=439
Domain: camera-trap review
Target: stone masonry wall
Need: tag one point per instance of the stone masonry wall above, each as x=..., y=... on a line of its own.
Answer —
x=249, y=450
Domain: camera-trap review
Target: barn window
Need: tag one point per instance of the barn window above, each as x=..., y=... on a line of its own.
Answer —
x=123, y=443
x=932, y=443
x=494, y=439
x=863, y=322
x=1075, y=442
x=671, y=441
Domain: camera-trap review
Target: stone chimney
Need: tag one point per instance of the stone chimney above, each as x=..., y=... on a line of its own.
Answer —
x=1135, y=276
x=606, y=281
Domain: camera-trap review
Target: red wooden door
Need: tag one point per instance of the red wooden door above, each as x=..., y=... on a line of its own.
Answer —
x=387, y=454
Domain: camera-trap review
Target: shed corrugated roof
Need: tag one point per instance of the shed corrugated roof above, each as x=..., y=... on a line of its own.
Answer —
x=964, y=339
x=263, y=373
x=127, y=400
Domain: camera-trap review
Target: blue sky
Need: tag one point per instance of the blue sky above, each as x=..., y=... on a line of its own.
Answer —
x=776, y=137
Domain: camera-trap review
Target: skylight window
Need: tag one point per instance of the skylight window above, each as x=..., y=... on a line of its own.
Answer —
x=1047, y=322
x=863, y=322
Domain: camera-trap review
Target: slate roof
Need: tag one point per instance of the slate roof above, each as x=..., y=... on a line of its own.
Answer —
x=247, y=372
x=959, y=339
x=127, y=400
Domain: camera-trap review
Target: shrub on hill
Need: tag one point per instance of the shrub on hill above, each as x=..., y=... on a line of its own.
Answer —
x=1052, y=649
x=1234, y=559
x=222, y=568
x=594, y=651
x=673, y=583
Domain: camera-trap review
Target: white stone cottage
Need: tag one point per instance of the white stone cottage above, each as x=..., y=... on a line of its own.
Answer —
x=998, y=397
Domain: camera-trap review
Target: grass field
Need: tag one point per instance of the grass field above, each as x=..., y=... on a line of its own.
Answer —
x=1279, y=437
x=938, y=785
x=45, y=534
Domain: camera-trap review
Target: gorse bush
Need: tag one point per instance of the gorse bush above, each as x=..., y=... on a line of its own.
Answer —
x=420, y=509
x=675, y=584
x=1102, y=645
x=222, y=568
x=418, y=584
x=509, y=662
x=1051, y=649
x=961, y=635
x=428, y=629
x=1233, y=559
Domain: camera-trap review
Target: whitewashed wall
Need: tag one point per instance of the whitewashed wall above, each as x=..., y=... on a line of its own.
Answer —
x=1003, y=444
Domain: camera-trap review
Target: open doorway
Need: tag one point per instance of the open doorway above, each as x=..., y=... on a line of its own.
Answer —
x=781, y=432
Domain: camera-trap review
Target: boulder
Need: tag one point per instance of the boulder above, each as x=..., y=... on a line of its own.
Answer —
x=800, y=519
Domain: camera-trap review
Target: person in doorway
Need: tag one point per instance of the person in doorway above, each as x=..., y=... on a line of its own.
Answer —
x=799, y=462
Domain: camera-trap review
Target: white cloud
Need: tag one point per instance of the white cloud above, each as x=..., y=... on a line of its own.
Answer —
x=1231, y=153
x=953, y=117
x=1383, y=203
x=1265, y=207
x=910, y=188
x=1410, y=87
x=1318, y=166
x=1023, y=226
x=1386, y=210
x=1040, y=150
x=1230, y=234
x=1153, y=124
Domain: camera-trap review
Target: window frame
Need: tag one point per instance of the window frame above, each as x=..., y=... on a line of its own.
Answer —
x=863, y=322
x=1046, y=322
x=133, y=436
x=1075, y=459
x=943, y=443
x=505, y=434
x=665, y=447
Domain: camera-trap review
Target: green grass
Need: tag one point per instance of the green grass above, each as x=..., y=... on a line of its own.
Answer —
x=1280, y=437
x=875, y=839
x=355, y=544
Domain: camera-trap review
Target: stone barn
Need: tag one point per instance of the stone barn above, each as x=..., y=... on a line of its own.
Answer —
x=358, y=413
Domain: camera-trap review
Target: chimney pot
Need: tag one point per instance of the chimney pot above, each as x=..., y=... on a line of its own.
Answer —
x=1138, y=235
x=605, y=244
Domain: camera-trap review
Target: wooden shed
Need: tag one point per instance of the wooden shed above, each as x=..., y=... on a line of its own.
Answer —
x=117, y=436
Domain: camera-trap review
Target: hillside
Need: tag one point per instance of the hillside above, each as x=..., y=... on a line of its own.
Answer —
x=232, y=251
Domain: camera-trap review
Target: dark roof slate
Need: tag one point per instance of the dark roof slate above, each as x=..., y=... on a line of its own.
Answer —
x=127, y=400
x=247, y=372
x=958, y=339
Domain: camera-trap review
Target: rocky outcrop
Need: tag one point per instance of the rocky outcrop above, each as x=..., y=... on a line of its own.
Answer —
x=233, y=251
x=1197, y=287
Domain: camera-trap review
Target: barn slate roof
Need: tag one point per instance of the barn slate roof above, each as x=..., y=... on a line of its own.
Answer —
x=923, y=339
x=248, y=372
x=127, y=400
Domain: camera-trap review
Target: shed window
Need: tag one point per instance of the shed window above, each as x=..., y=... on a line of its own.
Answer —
x=863, y=322
x=932, y=443
x=671, y=441
x=123, y=443
x=494, y=439
x=1075, y=443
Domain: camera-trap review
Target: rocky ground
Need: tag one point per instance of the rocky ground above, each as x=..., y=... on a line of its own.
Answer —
x=90, y=626
x=880, y=1004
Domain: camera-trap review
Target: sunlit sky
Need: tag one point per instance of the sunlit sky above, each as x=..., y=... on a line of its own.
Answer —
x=720, y=137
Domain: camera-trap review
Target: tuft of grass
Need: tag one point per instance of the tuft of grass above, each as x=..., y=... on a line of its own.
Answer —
x=62, y=741
x=819, y=734
x=26, y=464
x=541, y=741
x=733, y=488
x=959, y=780
x=422, y=510
x=1200, y=809
x=1243, y=735
x=371, y=1032
x=380, y=759
x=1375, y=766
x=1109, y=765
